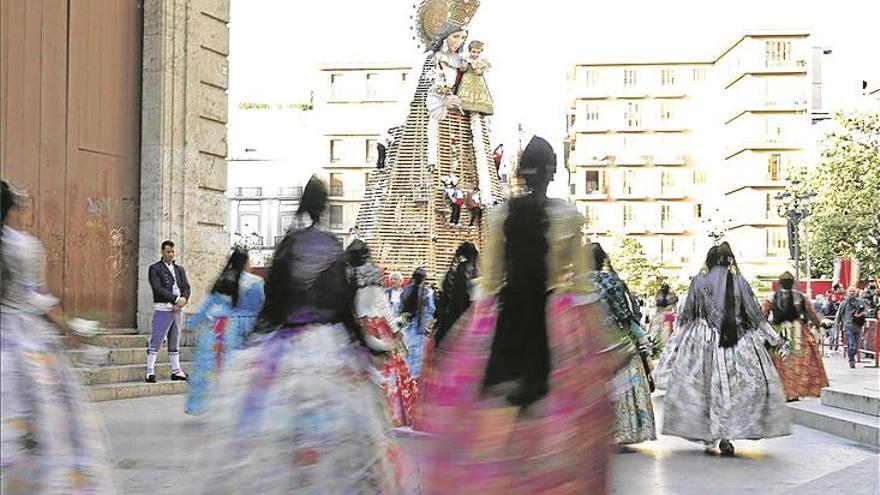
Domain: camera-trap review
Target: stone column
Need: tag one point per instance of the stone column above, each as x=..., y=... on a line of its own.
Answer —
x=183, y=145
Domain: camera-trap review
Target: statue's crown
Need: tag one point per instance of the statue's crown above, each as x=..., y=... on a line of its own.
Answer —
x=433, y=15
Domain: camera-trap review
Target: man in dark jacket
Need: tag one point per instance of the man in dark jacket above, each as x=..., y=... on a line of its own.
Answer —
x=171, y=292
x=851, y=318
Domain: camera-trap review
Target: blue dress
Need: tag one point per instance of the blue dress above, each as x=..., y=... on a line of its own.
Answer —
x=414, y=333
x=220, y=329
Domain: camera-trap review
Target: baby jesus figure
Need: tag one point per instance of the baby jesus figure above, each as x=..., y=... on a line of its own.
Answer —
x=473, y=91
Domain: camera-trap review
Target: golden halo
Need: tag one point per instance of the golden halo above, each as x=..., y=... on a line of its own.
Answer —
x=431, y=16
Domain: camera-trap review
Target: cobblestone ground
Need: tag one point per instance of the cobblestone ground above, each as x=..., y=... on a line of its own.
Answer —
x=153, y=442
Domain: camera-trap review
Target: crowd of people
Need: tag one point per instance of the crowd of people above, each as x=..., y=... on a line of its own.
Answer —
x=523, y=369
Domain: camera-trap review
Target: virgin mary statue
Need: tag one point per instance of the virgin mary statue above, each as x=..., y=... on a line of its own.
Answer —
x=405, y=212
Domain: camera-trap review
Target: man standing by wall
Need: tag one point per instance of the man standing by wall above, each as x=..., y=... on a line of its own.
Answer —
x=171, y=292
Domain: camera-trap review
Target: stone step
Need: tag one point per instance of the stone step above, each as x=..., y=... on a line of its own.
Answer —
x=119, y=331
x=137, y=340
x=133, y=390
x=860, y=400
x=105, y=375
x=858, y=427
x=130, y=355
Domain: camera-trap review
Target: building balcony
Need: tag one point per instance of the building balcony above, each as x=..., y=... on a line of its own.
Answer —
x=669, y=126
x=597, y=229
x=670, y=227
x=628, y=92
x=674, y=91
x=671, y=193
x=290, y=192
x=278, y=239
x=634, y=228
x=667, y=160
x=631, y=195
x=626, y=127
x=738, y=184
x=590, y=196
x=768, y=105
x=774, y=143
x=631, y=160
x=592, y=127
x=248, y=192
x=590, y=160
x=591, y=93
x=791, y=67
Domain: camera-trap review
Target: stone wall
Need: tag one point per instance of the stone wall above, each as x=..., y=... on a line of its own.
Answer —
x=184, y=146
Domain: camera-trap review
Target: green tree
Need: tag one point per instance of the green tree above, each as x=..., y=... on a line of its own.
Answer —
x=643, y=276
x=846, y=213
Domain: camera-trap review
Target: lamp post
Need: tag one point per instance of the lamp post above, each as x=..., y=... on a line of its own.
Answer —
x=794, y=206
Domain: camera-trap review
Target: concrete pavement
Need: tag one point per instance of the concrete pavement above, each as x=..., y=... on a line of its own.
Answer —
x=154, y=445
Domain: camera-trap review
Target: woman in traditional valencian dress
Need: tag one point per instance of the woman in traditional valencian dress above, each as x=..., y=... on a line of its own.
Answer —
x=51, y=440
x=417, y=318
x=721, y=383
x=631, y=386
x=517, y=402
x=373, y=314
x=297, y=411
x=222, y=324
x=663, y=320
x=802, y=371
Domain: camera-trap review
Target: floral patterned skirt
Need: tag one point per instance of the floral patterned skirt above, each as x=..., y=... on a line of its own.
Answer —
x=714, y=393
x=216, y=342
x=633, y=410
x=802, y=371
x=298, y=413
x=52, y=439
x=477, y=444
x=399, y=388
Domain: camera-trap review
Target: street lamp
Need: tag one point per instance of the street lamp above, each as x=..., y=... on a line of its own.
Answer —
x=794, y=205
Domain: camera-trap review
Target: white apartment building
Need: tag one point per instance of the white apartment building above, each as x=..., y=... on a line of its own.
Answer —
x=658, y=146
x=272, y=155
x=356, y=104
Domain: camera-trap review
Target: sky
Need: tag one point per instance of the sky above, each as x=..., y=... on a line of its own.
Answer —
x=276, y=45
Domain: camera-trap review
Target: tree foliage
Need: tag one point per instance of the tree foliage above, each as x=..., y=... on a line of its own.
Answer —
x=642, y=275
x=846, y=213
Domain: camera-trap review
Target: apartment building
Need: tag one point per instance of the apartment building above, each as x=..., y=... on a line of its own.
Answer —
x=657, y=147
x=356, y=105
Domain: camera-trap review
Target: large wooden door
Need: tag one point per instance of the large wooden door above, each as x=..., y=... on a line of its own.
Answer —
x=70, y=134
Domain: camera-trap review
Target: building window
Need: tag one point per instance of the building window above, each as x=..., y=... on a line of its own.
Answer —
x=629, y=78
x=667, y=247
x=768, y=206
x=591, y=78
x=699, y=74
x=591, y=215
x=665, y=215
x=404, y=77
x=336, y=85
x=667, y=77
x=667, y=181
x=666, y=111
x=627, y=215
x=371, y=151
x=698, y=210
x=592, y=112
x=699, y=177
x=592, y=183
x=336, y=185
x=777, y=53
x=774, y=162
x=335, y=150
x=336, y=217
x=777, y=242
x=633, y=115
x=366, y=180
x=627, y=181
x=372, y=84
